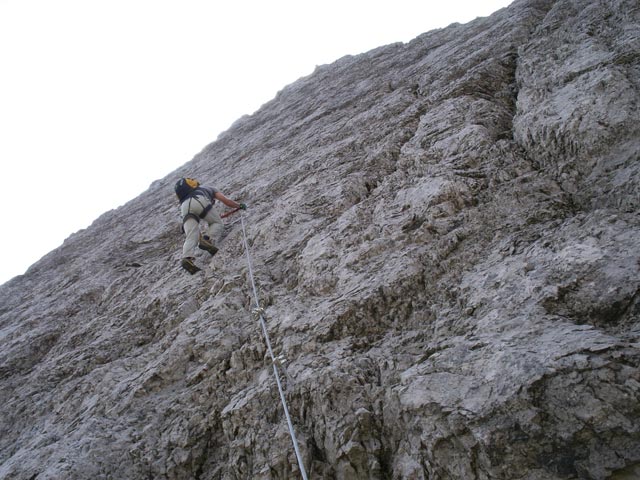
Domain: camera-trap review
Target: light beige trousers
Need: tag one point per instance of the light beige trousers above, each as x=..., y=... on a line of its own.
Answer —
x=215, y=226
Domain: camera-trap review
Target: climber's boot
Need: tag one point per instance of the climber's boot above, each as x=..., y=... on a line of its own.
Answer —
x=188, y=263
x=206, y=244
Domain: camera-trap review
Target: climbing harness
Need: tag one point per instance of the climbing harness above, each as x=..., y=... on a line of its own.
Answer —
x=258, y=313
x=203, y=213
x=206, y=209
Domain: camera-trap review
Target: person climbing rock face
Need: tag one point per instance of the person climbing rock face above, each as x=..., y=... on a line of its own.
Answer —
x=196, y=203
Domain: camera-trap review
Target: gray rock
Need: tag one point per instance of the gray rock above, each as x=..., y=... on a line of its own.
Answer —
x=444, y=237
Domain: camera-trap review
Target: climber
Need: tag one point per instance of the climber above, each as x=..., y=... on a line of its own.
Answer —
x=196, y=204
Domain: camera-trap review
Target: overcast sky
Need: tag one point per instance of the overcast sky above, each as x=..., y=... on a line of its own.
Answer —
x=99, y=98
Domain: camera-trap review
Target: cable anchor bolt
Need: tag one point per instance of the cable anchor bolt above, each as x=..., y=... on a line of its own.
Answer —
x=257, y=313
x=280, y=360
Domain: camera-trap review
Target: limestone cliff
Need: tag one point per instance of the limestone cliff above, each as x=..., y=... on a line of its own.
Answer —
x=446, y=240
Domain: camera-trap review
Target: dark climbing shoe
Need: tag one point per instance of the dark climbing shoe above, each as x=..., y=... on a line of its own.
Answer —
x=189, y=265
x=205, y=244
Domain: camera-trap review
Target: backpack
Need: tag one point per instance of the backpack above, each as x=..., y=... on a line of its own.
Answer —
x=185, y=187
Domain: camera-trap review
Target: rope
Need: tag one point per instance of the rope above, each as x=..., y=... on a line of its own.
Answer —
x=258, y=312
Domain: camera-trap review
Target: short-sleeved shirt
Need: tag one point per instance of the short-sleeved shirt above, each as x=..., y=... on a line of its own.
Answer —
x=207, y=192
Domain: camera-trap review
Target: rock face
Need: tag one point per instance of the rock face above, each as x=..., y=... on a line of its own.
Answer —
x=445, y=236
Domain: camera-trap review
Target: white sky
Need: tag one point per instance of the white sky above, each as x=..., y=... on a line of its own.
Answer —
x=99, y=98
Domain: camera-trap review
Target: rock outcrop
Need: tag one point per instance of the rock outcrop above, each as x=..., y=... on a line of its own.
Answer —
x=446, y=242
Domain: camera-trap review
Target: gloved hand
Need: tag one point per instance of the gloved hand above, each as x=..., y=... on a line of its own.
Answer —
x=243, y=206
